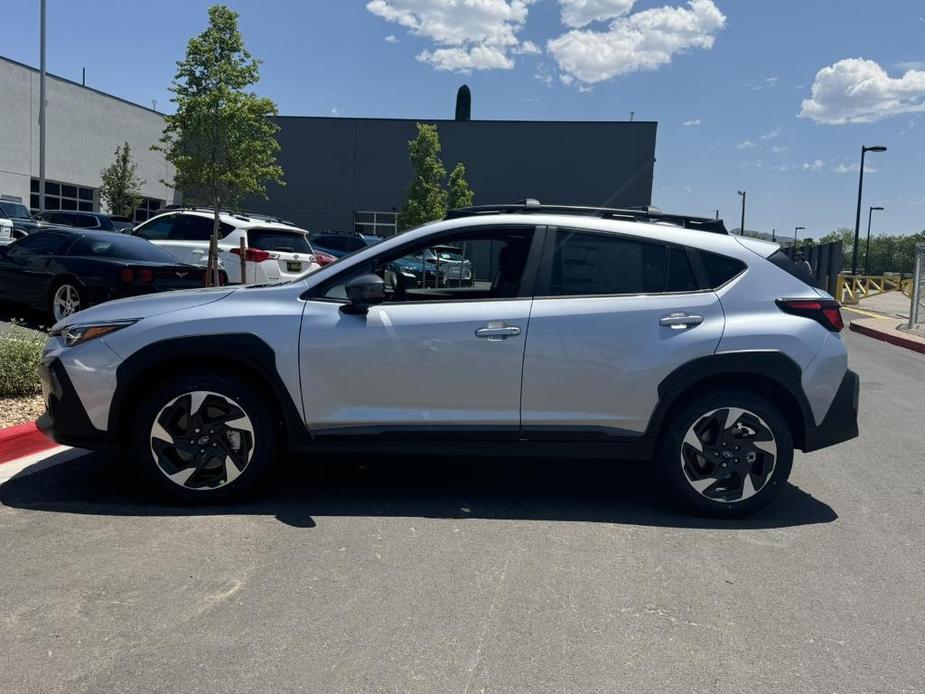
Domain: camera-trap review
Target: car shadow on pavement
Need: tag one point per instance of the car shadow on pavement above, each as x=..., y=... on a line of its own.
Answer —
x=301, y=491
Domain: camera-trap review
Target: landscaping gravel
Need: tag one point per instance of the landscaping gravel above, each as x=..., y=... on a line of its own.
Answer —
x=20, y=410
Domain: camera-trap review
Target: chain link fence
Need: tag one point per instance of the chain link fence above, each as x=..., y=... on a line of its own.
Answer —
x=917, y=310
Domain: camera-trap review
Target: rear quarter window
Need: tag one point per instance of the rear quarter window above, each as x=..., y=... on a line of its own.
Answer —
x=780, y=259
x=720, y=268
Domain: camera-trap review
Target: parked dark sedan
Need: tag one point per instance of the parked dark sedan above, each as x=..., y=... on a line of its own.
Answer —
x=85, y=220
x=60, y=271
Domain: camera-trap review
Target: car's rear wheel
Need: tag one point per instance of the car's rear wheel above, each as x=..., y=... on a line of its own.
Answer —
x=726, y=453
x=203, y=438
x=66, y=297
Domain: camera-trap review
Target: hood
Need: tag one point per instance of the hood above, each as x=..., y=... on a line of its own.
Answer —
x=147, y=305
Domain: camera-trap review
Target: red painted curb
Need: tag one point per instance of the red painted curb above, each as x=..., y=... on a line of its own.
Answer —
x=893, y=339
x=22, y=440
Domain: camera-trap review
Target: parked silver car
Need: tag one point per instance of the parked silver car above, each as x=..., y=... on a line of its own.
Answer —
x=602, y=334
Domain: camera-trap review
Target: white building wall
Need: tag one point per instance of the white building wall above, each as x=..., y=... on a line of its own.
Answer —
x=84, y=127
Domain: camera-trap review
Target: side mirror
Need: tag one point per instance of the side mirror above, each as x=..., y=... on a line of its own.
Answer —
x=362, y=292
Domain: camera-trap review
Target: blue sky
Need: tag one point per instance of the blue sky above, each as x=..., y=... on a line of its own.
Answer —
x=725, y=79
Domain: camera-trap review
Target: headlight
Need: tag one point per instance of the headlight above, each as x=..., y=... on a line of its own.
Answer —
x=78, y=334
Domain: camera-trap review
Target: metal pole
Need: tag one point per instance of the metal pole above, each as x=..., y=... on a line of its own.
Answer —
x=870, y=214
x=857, y=219
x=917, y=284
x=742, y=227
x=42, y=113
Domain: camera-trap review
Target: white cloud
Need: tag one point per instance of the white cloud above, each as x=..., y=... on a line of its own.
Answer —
x=466, y=34
x=911, y=65
x=860, y=91
x=815, y=165
x=777, y=149
x=747, y=144
x=692, y=122
x=853, y=168
x=771, y=135
x=543, y=75
x=582, y=89
x=578, y=13
x=772, y=81
x=644, y=40
x=391, y=38
x=335, y=112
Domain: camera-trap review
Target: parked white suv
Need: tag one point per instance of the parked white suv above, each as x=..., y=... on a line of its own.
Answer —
x=275, y=251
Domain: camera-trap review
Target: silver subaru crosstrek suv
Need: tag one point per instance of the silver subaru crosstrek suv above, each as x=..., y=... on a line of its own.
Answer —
x=584, y=333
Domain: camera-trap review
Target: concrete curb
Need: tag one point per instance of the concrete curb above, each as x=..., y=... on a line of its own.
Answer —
x=22, y=440
x=878, y=329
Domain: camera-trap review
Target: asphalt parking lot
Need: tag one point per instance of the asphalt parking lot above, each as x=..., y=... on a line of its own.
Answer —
x=447, y=575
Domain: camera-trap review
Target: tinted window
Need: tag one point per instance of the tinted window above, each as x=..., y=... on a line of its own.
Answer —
x=122, y=247
x=335, y=243
x=588, y=264
x=41, y=243
x=353, y=243
x=781, y=260
x=192, y=228
x=85, y=220
x=719, y=268
x=274, y=240
x=157, y=229
x=14, y=210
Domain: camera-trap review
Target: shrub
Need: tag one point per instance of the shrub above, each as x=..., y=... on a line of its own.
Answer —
x=20, y=353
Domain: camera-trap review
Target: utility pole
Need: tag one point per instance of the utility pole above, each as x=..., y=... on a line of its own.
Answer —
x=742, y=225
x=857, y=220
x=42, y=113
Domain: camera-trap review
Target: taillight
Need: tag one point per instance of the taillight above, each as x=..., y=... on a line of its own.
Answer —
x=824, y=311
x=323, y=258
x=253, y=255
x=145, y=275
x=127, y=275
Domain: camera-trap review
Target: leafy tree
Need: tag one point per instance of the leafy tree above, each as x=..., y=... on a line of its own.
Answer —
x=121, y=187
x=426, y=197
x=459, y=194
x=888, y=253
x=220, y=139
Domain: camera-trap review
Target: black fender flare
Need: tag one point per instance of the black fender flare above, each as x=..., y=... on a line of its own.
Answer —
x=245, y=349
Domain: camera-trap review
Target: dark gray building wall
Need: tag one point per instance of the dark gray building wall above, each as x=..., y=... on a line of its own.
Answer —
x=336, y=166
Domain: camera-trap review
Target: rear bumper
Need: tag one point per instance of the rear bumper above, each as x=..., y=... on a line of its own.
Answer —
x=65, y=420
x=841, y=421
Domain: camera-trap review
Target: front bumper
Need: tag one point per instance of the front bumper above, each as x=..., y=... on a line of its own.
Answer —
x=841, y=421
x=65, y=420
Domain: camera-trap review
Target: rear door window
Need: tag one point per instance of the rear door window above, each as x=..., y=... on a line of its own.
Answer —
x=587, y=264
x=781, y=260
x=190, y=227
x=157, y=229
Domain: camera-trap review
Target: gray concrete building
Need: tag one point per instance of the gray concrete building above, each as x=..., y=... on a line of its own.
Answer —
x=84, y=127
x=340, y=173
x=352, y=173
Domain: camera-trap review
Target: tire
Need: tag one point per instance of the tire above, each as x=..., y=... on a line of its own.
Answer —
x=726, y=453
x=65, y=297
x=213, y=461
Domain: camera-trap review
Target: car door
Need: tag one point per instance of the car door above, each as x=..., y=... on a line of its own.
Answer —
x=613, y=316
x=430, y=362
x=26, y=267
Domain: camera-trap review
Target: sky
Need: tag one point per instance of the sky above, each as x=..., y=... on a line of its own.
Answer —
x=774, y=97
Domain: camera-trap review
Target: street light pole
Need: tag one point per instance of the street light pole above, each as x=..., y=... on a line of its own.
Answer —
x=857, y=219
x=42, y=112
x=742, y=225
x=795, y=230
x=870, y=213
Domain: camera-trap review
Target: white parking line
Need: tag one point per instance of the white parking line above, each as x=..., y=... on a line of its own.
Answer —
x=38, y=461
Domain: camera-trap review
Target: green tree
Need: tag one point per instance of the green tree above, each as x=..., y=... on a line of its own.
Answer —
x=426, y=199
x=220, y=139
x=121, y=187
x=459, y=194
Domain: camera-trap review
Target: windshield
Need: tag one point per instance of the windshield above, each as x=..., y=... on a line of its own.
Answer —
x=14, y=210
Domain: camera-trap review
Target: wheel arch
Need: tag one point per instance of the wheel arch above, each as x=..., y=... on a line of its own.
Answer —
x=244, y=356
x=771, y=375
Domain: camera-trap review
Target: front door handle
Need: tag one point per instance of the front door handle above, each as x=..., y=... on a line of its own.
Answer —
x=679, y=321
x=497, y=330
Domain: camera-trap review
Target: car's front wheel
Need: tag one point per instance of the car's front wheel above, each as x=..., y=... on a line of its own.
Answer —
x=203, y=438
x=726, y=453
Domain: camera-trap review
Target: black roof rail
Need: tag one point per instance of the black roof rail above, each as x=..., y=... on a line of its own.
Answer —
x=631, y=214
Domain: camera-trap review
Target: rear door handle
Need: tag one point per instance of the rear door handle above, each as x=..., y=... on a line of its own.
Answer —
x=679, y=321
x=497, y=330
